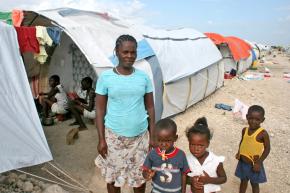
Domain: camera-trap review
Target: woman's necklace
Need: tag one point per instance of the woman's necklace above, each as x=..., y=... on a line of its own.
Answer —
x=116, y=69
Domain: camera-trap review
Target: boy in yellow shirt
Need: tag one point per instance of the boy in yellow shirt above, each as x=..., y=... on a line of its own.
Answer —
x=253, y=150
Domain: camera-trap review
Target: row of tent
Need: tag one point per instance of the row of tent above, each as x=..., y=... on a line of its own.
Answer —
x=185, y=66
x=237, y=54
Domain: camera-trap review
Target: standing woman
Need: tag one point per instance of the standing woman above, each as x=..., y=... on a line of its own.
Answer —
x=124, y=115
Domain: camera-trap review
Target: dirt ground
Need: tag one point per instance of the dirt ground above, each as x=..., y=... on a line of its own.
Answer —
x=272, y=93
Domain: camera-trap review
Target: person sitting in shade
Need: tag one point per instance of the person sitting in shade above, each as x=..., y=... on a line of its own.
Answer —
x=86, y=106
x=55, y=99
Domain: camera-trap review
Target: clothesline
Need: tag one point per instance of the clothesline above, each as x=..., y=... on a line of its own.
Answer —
x=13, y=18
x=32, y=38
x=35, y=38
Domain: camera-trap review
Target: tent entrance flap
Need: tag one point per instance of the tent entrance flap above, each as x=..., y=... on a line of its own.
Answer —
x=22, y=140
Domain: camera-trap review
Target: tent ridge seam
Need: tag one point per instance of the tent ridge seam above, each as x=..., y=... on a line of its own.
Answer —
x=173, y=39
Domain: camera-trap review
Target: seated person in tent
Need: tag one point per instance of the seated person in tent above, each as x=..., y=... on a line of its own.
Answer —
x=55, y=99
x=85, y=106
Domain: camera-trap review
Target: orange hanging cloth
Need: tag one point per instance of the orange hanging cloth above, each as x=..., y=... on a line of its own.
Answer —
x=17, y=17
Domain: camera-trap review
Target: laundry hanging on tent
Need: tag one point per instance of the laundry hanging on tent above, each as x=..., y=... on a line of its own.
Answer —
x=17, y=17
x=41, y=56
x=27, y=39
x=6, y=17
x=43, y=39
x=54, y=33
x=42, y=36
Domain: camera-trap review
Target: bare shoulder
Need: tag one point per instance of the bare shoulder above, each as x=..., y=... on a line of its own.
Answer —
x=263, y=135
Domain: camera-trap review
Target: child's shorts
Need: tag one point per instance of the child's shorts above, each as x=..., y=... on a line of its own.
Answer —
x=244, y=171
x=89, y=114
x=58, y=109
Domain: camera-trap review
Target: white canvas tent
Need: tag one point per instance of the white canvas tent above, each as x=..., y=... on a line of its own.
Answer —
x=87, y=46
x=229, y=63
x=245, y=64
x=255, y=48
x=228, y=60
x=240, y=66
x=235, y=52
x=22, y=141
x=190, y=66
x=264, y=49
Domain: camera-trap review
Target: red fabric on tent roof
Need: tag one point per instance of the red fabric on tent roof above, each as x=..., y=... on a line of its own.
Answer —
x=216, y=38
x=238, y=47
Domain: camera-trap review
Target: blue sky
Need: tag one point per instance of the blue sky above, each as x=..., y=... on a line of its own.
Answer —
x=265, y=21
x=262, y=21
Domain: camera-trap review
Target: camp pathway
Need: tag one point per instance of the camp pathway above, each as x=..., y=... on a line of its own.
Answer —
x=272, y=93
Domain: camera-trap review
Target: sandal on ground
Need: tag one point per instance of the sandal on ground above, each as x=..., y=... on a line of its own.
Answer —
x=71, y=136
x=223, y=106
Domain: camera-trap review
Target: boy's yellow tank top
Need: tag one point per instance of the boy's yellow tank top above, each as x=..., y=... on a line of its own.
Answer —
x=250, y=147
